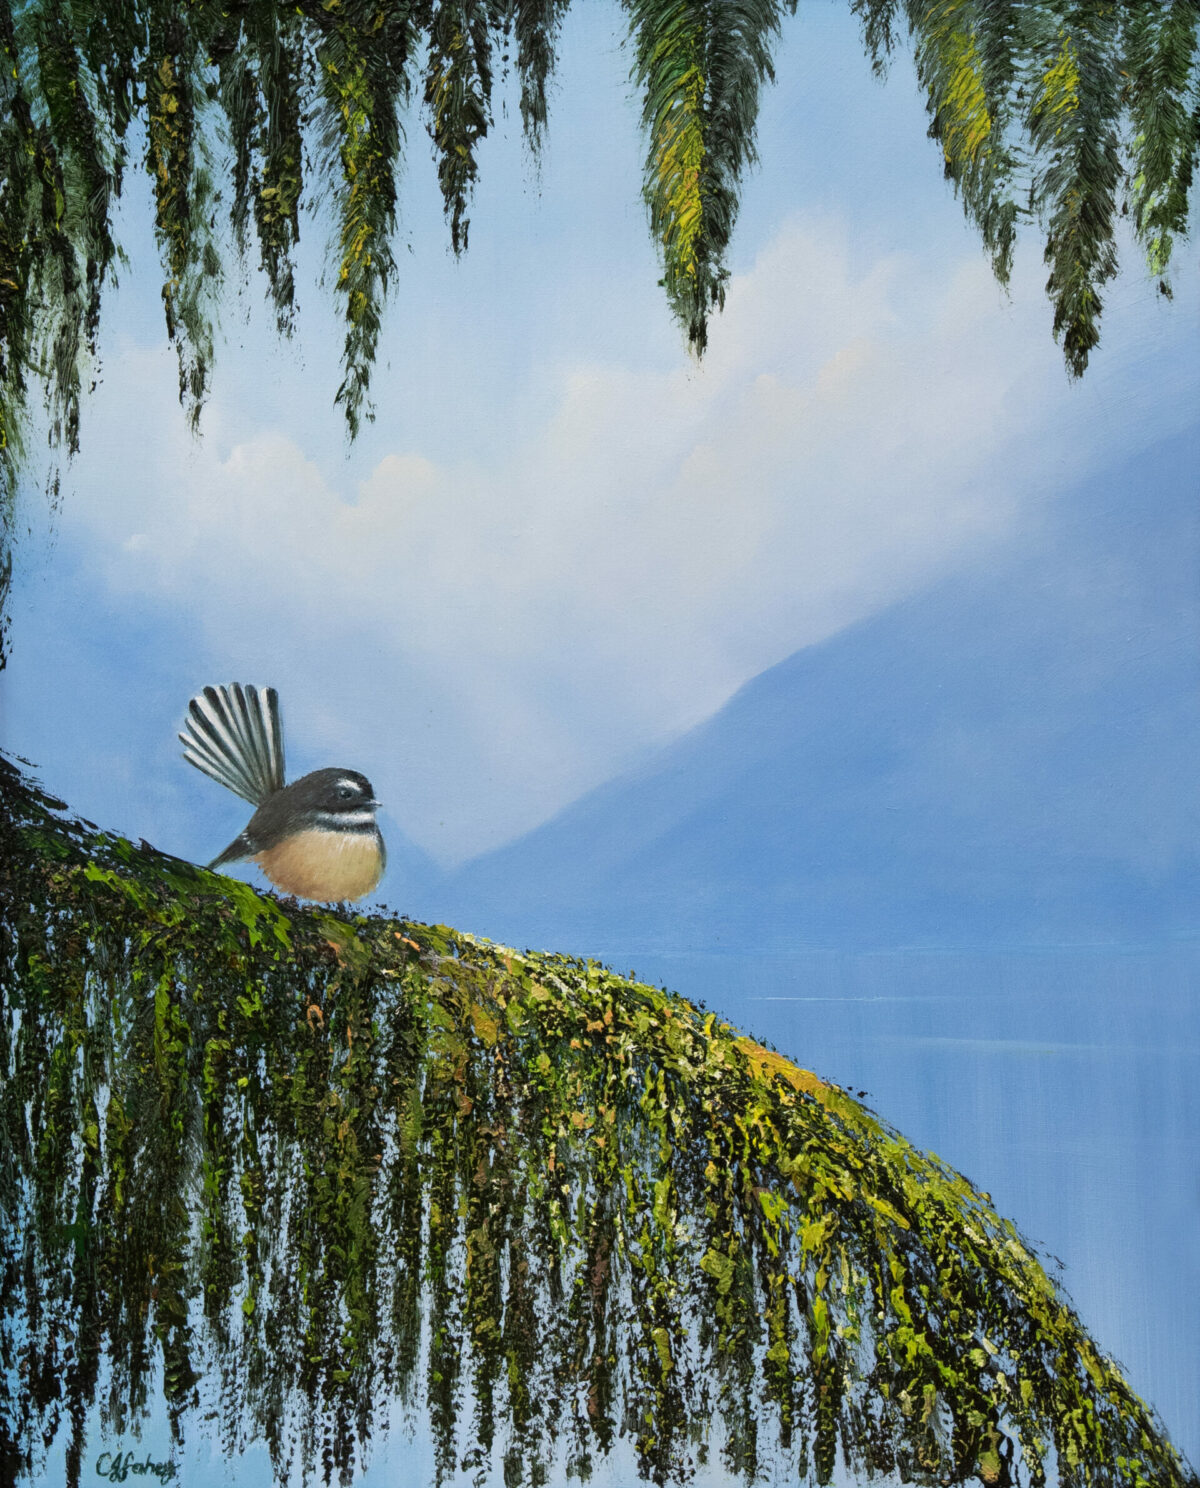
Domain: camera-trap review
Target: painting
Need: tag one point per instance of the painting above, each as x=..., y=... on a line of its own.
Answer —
x=599, y=742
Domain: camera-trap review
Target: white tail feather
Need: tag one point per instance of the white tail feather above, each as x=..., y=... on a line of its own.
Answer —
x=233, y=734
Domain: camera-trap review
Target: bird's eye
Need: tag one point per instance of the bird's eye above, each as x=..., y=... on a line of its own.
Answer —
x=345, y=792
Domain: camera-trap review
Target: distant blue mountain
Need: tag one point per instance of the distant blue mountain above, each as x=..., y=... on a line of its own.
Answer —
x=1009, y=757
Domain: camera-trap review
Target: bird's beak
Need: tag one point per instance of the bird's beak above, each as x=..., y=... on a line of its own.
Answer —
x=374, y=802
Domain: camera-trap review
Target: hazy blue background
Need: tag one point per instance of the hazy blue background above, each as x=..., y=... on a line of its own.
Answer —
x=848, y=682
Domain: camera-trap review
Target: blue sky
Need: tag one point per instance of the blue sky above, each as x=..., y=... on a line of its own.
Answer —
x=562, y=546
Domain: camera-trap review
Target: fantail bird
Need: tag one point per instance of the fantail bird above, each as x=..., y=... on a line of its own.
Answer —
x=316, y=838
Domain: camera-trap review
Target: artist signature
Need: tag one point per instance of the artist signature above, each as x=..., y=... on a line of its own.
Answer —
x=116, y=1467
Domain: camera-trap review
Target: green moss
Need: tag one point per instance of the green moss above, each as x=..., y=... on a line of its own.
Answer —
x=303, y=1163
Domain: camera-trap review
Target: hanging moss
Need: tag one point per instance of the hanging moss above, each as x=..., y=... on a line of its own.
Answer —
x=288, y=1165
x=1063, y=115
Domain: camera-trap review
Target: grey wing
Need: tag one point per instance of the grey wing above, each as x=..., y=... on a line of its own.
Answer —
x=233, y=734
x=242, y=846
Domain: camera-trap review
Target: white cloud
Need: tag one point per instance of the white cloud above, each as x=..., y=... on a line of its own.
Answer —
x=490, y=642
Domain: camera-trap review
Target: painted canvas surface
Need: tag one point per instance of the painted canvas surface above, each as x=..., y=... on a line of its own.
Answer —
x=844, y=679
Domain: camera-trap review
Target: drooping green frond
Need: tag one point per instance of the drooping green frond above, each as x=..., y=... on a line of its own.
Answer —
x=670, y=70
x=458, y=94
x=699, y=64
x=183, y=194
x=1160, y=58
x=535, y=26
x=1073, y=114
x=86, y=155
x=301, y=1163
x=17, y=267
x=879, y=28
x=966, y=65
x=363, y=59
x=280, y=148
x=1042, y=112
x=112, y=36
x=260, y=60
x=237, y=66
x=55, y=240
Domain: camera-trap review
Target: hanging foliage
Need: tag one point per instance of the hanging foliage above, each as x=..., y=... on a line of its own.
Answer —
x=294, y=1165
x=1067, y=114
x=1060, y=113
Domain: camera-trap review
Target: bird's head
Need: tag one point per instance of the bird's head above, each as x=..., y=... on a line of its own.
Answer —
x=338, y=797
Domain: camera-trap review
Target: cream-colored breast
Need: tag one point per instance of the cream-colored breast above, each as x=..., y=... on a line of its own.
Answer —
x=324, y=865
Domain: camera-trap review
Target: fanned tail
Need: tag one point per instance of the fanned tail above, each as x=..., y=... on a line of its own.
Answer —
x=232, y=733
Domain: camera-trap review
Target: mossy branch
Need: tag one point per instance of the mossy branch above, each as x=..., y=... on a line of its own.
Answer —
x=303, y=1163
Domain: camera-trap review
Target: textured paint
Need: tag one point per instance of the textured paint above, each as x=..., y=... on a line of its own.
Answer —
x=609, y=1213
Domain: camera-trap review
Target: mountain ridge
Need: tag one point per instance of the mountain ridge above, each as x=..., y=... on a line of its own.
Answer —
x=996, y=759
